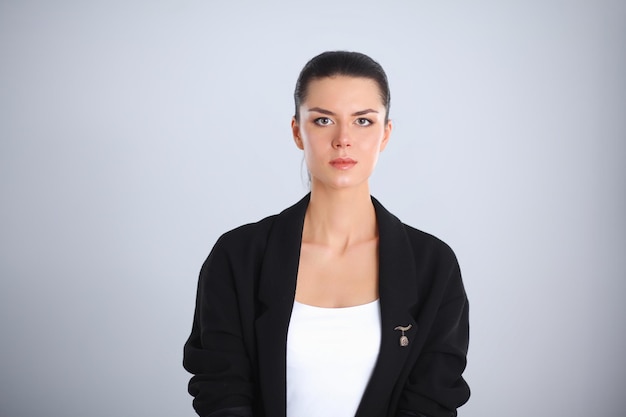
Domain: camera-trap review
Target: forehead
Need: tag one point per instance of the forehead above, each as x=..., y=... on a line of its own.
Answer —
x=343, y=91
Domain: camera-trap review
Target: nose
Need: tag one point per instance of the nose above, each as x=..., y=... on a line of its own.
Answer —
x=342, y=137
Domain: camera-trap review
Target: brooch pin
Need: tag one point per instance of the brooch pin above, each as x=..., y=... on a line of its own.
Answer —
x=404, y=341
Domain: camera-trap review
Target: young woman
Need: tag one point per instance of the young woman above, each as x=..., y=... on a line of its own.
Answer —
x=332, y=307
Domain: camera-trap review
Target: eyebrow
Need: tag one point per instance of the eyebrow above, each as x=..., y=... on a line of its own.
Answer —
x=330, y=113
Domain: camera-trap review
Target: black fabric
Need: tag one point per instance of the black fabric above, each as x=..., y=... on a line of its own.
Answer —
x=233, y=412
x=237, y=347
x=405, y=413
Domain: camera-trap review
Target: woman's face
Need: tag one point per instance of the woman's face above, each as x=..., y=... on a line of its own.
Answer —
x=341, y=130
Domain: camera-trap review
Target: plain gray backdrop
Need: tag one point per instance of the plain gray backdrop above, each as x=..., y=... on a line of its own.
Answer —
x=133, y=133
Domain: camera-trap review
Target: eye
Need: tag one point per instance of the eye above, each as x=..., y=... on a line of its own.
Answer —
x=362, y=121
x=323, y=121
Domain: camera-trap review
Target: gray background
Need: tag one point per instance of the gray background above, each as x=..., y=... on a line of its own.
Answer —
x=134, y=133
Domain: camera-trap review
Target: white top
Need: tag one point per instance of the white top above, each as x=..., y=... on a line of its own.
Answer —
x=331, y=353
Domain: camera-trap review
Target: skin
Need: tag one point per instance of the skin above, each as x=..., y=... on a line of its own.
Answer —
x=341, y=120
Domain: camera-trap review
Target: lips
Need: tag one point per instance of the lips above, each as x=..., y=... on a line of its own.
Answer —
x=343, y=163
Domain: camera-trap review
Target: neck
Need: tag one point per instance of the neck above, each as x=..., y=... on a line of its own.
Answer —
x=340, y=217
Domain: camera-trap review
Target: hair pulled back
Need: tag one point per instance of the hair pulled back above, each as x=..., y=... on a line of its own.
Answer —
x=333, y=63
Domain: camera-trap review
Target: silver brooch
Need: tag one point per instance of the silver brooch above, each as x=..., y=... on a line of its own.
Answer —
x=404, y=341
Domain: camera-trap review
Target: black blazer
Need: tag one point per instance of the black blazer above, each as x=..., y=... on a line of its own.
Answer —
x=237, y=346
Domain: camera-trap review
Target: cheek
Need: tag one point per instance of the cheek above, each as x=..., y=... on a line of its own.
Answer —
x=315, y=143
x=373, y=142
x=312, y=151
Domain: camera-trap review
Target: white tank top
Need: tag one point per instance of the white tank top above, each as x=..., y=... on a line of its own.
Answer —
x=331, y=353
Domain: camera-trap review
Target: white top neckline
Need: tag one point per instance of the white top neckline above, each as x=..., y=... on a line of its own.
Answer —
x=364, y=305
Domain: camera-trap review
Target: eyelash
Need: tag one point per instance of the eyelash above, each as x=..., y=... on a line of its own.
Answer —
x=319, y=120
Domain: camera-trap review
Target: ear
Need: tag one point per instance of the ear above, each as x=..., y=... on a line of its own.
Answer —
x=295, y=131
x=386, y=135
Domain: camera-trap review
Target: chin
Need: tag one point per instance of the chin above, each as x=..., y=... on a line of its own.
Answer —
x=339, y=183
x=347, y=185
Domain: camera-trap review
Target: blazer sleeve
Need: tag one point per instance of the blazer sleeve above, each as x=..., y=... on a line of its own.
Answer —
x=435, y=386
x=215, y=353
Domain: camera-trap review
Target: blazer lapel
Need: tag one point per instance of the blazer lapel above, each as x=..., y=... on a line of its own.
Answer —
x=398, y=294
x=276, y=292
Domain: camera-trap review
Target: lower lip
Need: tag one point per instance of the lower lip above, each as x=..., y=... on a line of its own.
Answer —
x=343, y=165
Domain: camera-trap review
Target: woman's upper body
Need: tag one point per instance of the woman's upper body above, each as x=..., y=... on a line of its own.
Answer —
x=246, y=291
x=337, y=257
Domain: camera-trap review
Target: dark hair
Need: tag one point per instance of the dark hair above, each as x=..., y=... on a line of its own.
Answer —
x=352, y=64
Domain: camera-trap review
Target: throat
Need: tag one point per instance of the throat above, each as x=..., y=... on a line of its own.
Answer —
x=340, y=226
